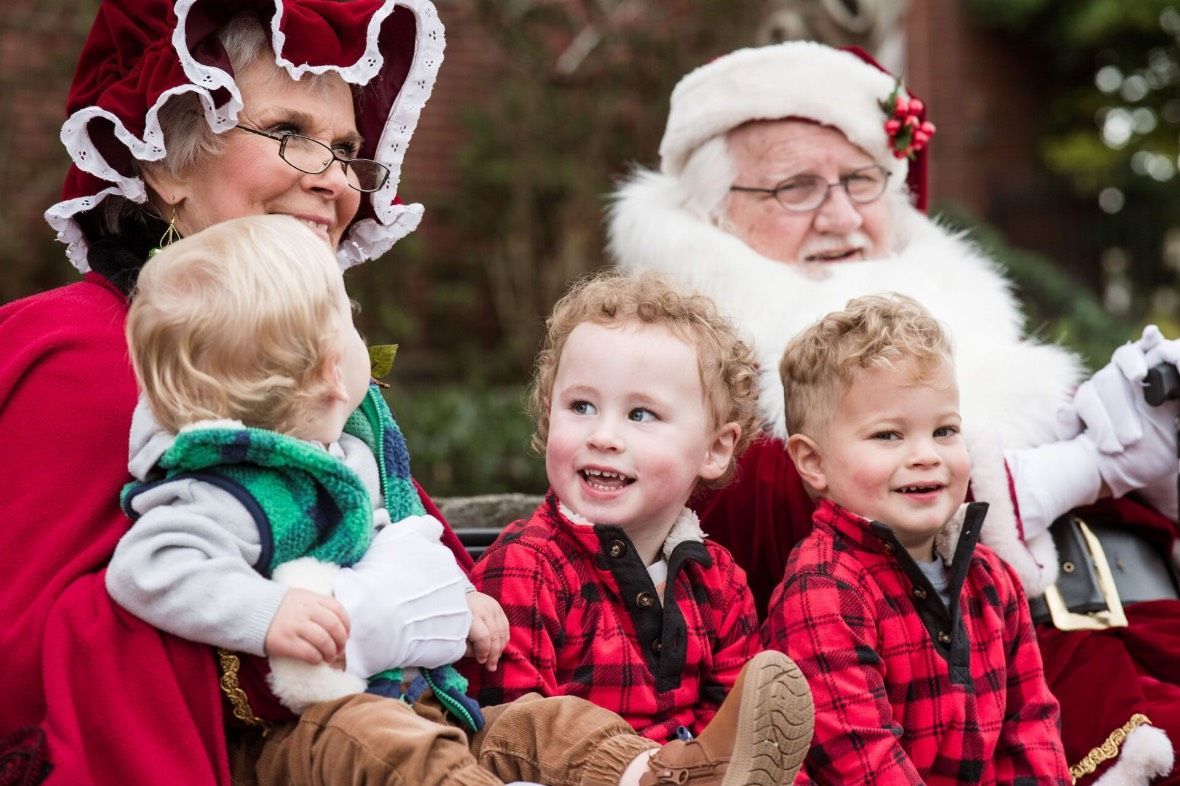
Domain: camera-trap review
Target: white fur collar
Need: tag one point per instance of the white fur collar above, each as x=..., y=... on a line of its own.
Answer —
x=686, y=528
x=1010, y=387
x=947, y=538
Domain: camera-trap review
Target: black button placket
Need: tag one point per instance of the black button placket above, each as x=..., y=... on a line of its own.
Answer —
x=663, y=634
x=945, y=624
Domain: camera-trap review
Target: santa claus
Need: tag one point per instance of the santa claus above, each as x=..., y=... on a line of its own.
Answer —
x=792, y=178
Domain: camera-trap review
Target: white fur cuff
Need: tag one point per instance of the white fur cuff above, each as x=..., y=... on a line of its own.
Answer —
x=1146, y=754
x=297, y=684
x=1035, y=561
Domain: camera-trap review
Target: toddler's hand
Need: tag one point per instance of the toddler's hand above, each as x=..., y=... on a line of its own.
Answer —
x=309, y=627
x=489, y=629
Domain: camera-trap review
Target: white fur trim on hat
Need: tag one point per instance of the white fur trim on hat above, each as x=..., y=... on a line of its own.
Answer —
x=800, y=79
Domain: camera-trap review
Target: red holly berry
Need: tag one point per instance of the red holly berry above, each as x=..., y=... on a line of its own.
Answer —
x=905, y=131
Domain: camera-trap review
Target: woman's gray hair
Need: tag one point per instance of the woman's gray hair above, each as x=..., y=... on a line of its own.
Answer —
x=187, y=135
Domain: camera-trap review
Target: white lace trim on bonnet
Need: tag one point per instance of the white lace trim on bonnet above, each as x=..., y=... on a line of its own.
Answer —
x=365, y=239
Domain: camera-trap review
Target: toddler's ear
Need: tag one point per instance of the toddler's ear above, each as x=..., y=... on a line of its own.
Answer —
x=333, y=378
x=720, y=453
x=808, y=461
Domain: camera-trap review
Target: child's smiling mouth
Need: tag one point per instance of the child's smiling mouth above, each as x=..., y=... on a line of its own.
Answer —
x=921, y=490
x=604, y=479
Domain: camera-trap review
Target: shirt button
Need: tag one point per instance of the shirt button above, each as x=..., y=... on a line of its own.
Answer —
x=944, y=637
x=657, y=647
x=617, y=548
x=919, y=593
x=645, y=600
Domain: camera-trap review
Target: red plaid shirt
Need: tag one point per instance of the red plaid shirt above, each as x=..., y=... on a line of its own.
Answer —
x=586, y=621
x=907, y=691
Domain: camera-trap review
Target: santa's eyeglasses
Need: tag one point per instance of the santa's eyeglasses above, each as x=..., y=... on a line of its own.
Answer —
x=804, y=193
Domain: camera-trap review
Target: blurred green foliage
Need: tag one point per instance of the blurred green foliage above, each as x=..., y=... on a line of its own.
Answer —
x=1057, y=308
x=467, y=439
x=1112, y=129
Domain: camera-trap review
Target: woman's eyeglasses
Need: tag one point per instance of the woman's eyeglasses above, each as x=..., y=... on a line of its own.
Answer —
x=313, y=157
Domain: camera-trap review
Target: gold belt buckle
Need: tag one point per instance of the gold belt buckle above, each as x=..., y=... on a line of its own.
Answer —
x=1112, y=617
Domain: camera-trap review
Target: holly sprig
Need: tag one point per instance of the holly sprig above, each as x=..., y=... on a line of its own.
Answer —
x=904, y=127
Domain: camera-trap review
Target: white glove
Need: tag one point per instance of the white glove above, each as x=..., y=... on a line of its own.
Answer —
x=1052, y=479
x=1136, y=441
x=1161, y=495
x=406, y=599
x=1161, y=492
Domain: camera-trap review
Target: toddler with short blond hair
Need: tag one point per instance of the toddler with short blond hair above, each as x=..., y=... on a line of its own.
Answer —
x=915, y=637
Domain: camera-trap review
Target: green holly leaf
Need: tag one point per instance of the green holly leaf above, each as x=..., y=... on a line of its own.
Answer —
x=381, y=359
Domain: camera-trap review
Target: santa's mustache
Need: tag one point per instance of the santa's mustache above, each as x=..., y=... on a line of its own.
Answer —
x=816, y=249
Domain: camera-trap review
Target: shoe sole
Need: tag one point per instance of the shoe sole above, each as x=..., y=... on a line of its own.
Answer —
x=777, y=719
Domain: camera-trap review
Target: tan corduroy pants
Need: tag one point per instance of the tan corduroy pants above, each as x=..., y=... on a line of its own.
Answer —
x=364, y=739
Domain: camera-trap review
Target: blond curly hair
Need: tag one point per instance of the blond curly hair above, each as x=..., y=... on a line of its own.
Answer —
x=725, y=363
x=874, y=331
x=238, y=322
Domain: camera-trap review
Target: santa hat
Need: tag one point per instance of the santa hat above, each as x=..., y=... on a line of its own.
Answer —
x=844, y=89
x=140, y=53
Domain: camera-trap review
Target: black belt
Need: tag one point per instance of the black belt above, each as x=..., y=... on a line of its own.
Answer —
x=1103, y=568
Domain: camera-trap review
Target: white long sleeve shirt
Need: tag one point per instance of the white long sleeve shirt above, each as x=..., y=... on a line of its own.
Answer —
x=186, y=566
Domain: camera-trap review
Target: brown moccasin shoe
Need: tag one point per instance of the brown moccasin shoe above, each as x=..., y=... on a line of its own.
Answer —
x=759, y=736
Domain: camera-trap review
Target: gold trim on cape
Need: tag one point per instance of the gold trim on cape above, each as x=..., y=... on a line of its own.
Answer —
x=230, y=665
x=1108, y=749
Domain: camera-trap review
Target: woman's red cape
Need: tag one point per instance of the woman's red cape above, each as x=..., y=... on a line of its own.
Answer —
x=120, y=702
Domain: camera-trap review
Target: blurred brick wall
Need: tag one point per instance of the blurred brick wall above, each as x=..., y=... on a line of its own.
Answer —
x=39, y=44
x=429, y=173
x=987, y=99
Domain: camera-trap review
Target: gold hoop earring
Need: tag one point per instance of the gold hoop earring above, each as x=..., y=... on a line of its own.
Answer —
x=169, y=237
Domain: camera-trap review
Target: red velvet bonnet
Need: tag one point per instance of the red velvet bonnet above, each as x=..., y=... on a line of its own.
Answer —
x=141, y=52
